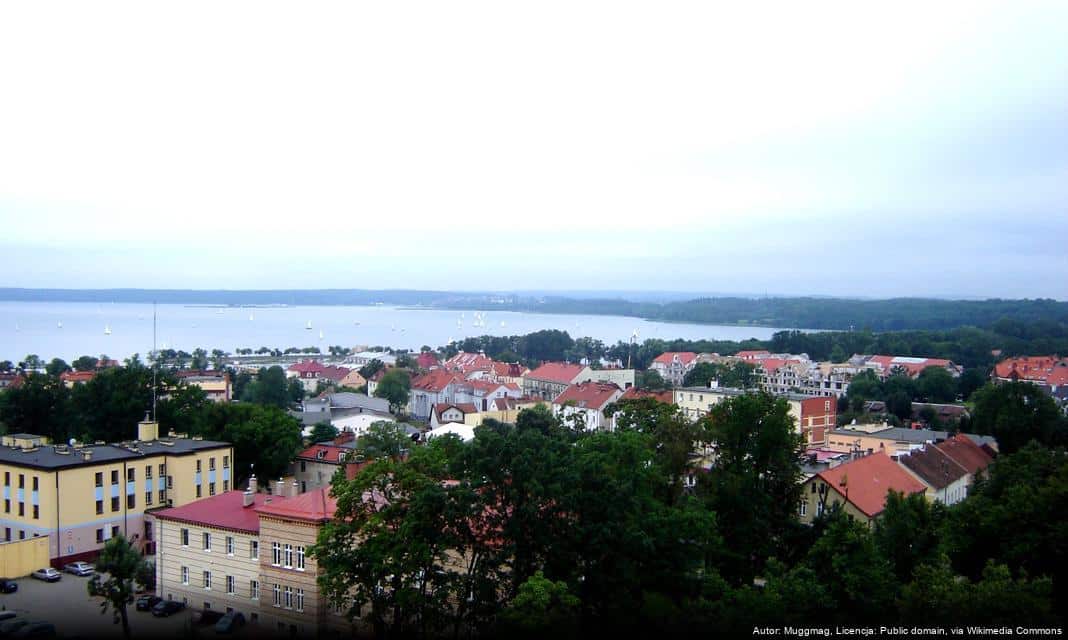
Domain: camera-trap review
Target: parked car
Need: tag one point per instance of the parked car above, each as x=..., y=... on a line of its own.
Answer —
x=8, y=627
x=48, y=574
x=7, y=615
x=8, y=586
x=230, y=622
x=147, y=601
x=207, y=616
x=37, y=629
x=165, y=608
x=80, y=569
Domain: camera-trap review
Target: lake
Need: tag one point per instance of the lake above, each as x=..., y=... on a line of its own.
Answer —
x=71, y=329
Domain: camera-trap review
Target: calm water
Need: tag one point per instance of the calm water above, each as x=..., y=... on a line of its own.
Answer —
x=33, y=327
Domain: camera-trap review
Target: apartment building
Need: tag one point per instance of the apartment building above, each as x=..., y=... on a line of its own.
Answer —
x=80, y=496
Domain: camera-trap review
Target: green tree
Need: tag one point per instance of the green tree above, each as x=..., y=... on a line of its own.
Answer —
x=394, y=387
x=907, y=532
x=31, y=363
x=672, y=438
x=650, y=381
x=265, y=436
x=41, y=404
x=270, y=388
x=383, y=439
x=541, y=608
x=738, y=375
x=199, y=359
x=56, y=367
x=218, y=359
x=935, y=384
x=1015, y=413
x=859, y=581
x=122, y=565
x=322, y=432
x=371, y=368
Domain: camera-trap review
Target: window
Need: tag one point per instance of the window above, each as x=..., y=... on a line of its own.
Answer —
x=229, y=545
x=7, y=478
x=226, y=462
x=230, y=585
x=36, y=512
x=148, y=472
x=819, y=509
x=207, y=580
x=303, y=466
x=22, y=481
x=148, y=498
x=22, y=535
x=300, y=558
x=170, y=482
x=115, y=531
x=211, y=464
x=300, y=600
x=115, y=503
x=253, y=590
x=288, y=557
x=185, y=537
x=198, y=466
x=211, y=489
x=131, y=474
x=131, y=500
x=162, y=496
x=115, y=476
x=254, y=549
x=289, y=597
x=207, y=541
x=804, y=508
x=277, y=595
x=99, y=507
x=185, y=575
x=35, y=483
x=162, y=470
x=99, y=535
x=226, y=486
x=7, y=534
x=22, y=508
x=276, y=554
x=198, y=490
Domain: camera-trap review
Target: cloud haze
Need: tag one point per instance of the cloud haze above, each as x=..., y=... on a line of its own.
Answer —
x=915, y=148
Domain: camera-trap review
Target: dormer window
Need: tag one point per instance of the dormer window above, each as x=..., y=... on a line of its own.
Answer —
x=320, y=455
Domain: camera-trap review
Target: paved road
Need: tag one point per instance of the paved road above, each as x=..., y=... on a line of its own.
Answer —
x=67, y=605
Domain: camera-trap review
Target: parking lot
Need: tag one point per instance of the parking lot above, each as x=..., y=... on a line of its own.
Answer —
x=68, y=606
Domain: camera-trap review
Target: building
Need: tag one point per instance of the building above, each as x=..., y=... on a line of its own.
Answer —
x=215, y=384
x=587, y=400
x=948, y=468
x=818, y=417
x=426, y=360
x=483, y=393
x=858, y=487
x=455, y=413
x=315, y=466
x=209, y=550
x=634, y=393
x=71, y=378
x=622, y=378
x=82, y=495
x=696, y=402
x=1050, y=373
x=311, y=373
x=553, y=378
x=674, y=365
x=353, y=379
x=886, y=366
x=431, y=388
x=860, y=438
x=364, y=357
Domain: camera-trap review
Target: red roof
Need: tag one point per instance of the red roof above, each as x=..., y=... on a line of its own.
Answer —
x=634, y=393
x=753, y=355
x=464, y=362
x=425, y=360
x=966, y=453
x=224, y=511
x=329, y=453
x=562, y=372
x=685, y=357
x=934, y=467
x=434, y=381
x=589, y=395
x=77, y=376
x=866, y=481
x=307, y=366
x=914, y=366
x=1034, y=369
x=463, y=407
x=313, y=506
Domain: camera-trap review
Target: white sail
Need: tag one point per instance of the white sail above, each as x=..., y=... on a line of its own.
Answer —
x=107, y=330
x=308, y=326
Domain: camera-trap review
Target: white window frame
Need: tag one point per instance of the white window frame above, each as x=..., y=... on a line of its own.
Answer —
x=254, y=589
x=207, y=542
x=229, y=545
x=207, y=581
x=231, y=587
x=276, y=554
x=254, y=549
x=300, y=558
x=287, y=558
x=185, y=575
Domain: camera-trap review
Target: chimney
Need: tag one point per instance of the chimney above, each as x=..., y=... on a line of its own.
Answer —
x=87, y=454
x=253, y=486
x=147, y=430
x=294, y=489
x=247, y=499
x=280, y=488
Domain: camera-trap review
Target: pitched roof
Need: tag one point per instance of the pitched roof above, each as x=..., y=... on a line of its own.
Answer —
x=464, y=362
x=307, y=366
x=434, y=381
x=933, y=466
x=330, y=453
x=685, y=357
x=314, y=506
x=865, y=482
x=336, y=374
x=462, y=407
x=965, y=452
x=913, y=365
x=589, y=395
x=753, y=354
x=1032, y=368
x=224, y=511
x=425, y=360
x=634, y=393
x=78, y=376
x=562, y=372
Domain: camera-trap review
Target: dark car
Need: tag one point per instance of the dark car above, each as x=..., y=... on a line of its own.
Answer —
x=207, y=616
x=147, y=601
x=8, y=586
x=230, y=622
x=9, y=627
x=165, y=608
x=36, y=630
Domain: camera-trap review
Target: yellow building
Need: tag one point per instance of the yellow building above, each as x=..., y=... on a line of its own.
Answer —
x=696, y=402
x=82, y=495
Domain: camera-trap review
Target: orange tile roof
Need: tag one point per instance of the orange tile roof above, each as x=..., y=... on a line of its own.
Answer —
x=589, y=395
x=224, y=511
x=865, y=482
x=965, y=452
x=634, y=393
x=563, y=372
x=330, y=453
x=1034, y=369
x=685, y=357
x=435, y=381
x=314, y=506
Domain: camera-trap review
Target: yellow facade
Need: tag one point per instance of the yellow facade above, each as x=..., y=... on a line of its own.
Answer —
x=23, y=557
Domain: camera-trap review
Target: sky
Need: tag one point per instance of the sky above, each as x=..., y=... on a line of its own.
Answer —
x=908, y=148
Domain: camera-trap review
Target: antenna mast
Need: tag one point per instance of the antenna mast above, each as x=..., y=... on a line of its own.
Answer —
x=155, y=359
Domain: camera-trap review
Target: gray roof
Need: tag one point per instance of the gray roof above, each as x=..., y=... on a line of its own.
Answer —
x=348, y=400
x=914, y=436
x=49, y=457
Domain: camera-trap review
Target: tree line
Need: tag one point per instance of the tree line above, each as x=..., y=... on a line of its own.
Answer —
x=537, y=528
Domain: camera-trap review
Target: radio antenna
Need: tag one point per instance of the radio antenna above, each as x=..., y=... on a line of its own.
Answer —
x=155, y=359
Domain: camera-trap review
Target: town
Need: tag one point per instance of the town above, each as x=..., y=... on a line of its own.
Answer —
x=382, y=492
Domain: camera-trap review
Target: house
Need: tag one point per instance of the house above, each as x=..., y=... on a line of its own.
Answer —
x=482, y=393
x=622, y=378
x=859, y=487
x=431, y=388
x=71, y=378
x=454, y=413
x=1050, y=373
x=945, y=479
x=674, y=365
x=553, y=378
x=587, y=400
x=79, y=496
x=308, y=372
x=885, y=366
x=426, y=360
x=372, y=382
x=9, y=379
x=753, y=355
x=353, y=379
x=634, y=393
x=465, y=363
x=364, y=357
x=215, y=384
x=891, y=440
x=315, y=466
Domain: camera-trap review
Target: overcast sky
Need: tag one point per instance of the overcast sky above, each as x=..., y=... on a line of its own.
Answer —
x=809, y=148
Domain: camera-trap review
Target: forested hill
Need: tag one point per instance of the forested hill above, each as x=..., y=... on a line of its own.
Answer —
x=896, y=314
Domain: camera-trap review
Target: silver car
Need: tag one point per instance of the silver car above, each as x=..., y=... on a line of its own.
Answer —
x=80, y=568
x=48, y=574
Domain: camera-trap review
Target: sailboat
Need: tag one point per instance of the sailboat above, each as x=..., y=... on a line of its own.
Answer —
x=308, y=327
x=251, y=317
x=320, y=334
x=17, y=327
x=503, y=324
x=59, y=325
x=107, y=330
